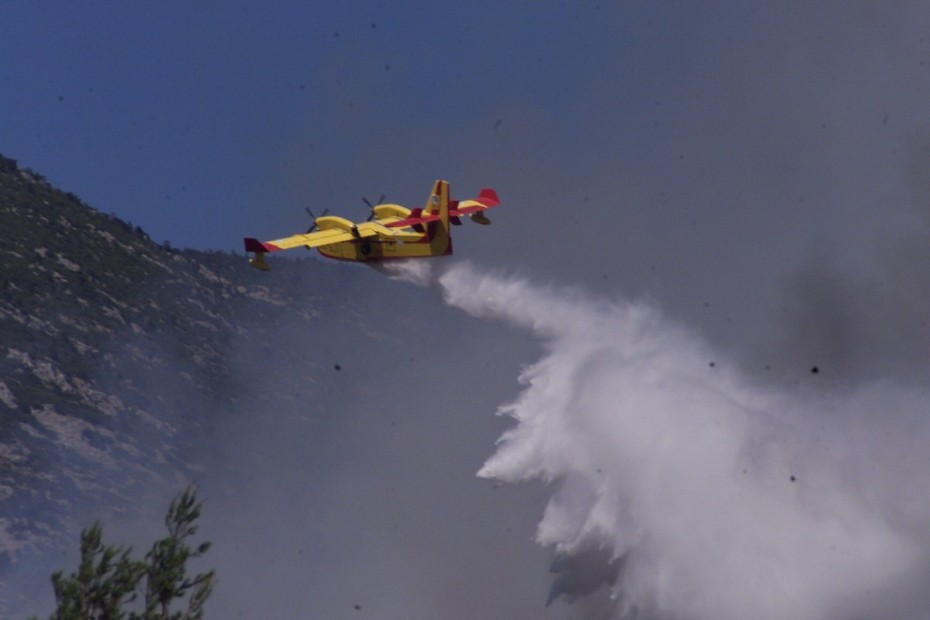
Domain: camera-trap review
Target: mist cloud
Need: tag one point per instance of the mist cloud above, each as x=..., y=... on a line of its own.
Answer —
x=708, y=495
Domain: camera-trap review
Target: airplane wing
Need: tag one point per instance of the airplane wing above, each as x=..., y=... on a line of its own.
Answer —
x=307, y=240
x=341, y=230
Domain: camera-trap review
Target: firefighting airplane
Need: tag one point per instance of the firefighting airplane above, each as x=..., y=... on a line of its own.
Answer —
x=392, y=231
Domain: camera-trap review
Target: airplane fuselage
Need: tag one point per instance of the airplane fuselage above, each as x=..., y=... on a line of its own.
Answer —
x=436, y=242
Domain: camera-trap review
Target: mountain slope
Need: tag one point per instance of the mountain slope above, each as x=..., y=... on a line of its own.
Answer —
x=115, y=354
x=333, y=417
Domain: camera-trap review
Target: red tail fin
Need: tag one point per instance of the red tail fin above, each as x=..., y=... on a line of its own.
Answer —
x=488, y=197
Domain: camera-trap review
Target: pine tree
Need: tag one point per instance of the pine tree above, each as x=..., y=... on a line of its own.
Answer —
x=105, y=582
x=108, y=581
x=166, y=564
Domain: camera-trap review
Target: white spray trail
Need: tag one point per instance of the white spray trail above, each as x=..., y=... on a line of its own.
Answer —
x=411, y=271
x=717, y=498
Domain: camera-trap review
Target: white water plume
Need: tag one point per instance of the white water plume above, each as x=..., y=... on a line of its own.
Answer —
x=706, y=495
x=413, y=271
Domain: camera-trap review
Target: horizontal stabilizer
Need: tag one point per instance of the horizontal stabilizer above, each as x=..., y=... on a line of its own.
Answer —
x=486, y=199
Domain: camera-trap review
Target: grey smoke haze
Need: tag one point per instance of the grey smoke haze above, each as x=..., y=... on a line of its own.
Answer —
x=364, y=492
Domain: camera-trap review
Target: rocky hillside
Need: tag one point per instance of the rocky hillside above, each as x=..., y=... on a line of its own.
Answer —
x=118, y=356
x=333, y=418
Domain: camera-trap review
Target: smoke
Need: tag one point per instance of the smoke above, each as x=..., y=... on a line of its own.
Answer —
x=692, y=491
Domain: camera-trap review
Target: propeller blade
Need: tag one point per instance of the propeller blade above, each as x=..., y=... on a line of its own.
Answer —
x=313, y=226
x=371, y=207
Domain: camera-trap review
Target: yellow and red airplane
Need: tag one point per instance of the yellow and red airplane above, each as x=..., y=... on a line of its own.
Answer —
x=392, y=231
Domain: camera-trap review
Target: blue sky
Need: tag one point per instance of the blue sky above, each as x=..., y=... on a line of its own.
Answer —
x=703, y=154
x=195, y=119
x=203, y=121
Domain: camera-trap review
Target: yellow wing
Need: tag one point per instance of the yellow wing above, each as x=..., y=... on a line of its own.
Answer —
x=309, y=240
x=331, y=230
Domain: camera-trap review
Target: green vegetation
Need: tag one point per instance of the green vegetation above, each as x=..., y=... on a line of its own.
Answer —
x=108, y=582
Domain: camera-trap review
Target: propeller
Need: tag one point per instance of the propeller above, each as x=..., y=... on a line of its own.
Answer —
x=371, y=207
x=313, y=226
